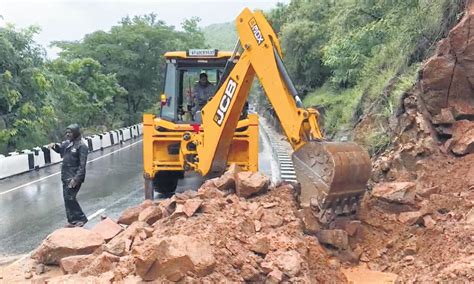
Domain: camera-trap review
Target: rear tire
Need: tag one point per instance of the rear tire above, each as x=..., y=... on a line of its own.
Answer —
x=166, y=182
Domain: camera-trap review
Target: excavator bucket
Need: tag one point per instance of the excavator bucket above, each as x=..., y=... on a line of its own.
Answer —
x=332, y=175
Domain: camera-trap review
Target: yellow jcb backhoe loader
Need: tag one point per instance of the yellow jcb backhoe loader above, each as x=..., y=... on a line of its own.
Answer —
x=332, y=175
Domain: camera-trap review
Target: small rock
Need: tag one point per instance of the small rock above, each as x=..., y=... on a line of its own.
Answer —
x=249, y=273
x=410, y=250
x=274, y=277
x=310, y=222
x=289, y=262
x=267, y=267
x=258, y=225
x=28, y=275
x=429, y=222
x=271, y=219
x=336, y=238
x=364, y=258
x=470, y=216
x=410, y=218
x=40, y=269
x=261, y=245
x=426, y=192
x=352, y=227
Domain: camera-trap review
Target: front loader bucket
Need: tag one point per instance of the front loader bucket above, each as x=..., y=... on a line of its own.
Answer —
x=333, y=175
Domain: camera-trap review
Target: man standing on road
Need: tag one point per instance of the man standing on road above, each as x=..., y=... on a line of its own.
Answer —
x=73, y=172
x=203, y=91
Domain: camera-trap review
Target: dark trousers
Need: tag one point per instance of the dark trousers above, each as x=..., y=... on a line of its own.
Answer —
x=73, y=209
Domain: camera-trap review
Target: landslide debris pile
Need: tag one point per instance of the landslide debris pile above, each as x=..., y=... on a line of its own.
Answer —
x=418, y=220
x=212, y=235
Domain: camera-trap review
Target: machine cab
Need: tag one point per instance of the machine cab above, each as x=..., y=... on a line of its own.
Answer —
x=182, y=75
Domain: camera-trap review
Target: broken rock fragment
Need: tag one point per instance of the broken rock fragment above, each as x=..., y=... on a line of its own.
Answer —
x=131, y=214
x=191, y=206
x=107, y=228
x=150, y=215
x=250, y=183
x=74, y=264
x=67, y=242
x=227, y=181
x=337, y=238
x=172, y=257
x=397, y=192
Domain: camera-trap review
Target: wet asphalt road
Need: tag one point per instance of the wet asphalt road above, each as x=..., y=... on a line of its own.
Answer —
x=32, y=206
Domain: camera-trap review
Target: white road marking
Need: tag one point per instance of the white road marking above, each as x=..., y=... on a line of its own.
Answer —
x=43, y=178
x=96, y=214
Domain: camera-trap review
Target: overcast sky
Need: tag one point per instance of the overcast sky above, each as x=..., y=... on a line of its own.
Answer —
x=72, y=19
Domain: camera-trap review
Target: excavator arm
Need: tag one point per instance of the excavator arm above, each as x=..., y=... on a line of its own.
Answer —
x=332, y=175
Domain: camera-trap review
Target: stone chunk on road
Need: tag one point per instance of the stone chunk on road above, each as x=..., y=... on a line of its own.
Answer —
x=107, y=228
x=67, y=242
x=74, y=264
x=172, y=257
x=395, y=192
x=250, y=183
x=150, y=215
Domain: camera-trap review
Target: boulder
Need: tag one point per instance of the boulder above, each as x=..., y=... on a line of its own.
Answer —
x=74, y=264
x=107, y=228
x=250, y=183
x=227, y=181
x=395, y=192
x=172, y=257
x=337, y=238
x=150, y=215
x=463, y=137
x=67, y=242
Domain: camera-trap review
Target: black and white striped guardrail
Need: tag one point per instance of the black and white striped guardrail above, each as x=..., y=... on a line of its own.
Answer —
x=39, y=157
x=281, y=150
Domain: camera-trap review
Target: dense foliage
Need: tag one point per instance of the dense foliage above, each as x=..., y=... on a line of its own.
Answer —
x=348, y=57
x=106, y=80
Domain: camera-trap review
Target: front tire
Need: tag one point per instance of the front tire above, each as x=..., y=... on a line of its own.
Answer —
x=166, y=182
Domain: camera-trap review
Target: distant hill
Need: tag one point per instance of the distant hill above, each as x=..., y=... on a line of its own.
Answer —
x=221, y=36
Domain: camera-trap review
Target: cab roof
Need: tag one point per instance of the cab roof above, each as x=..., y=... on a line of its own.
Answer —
x=199, y=53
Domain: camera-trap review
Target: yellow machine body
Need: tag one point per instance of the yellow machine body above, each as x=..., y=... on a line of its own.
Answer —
x=332, y=175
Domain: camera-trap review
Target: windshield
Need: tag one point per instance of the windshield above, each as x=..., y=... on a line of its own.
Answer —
x=180, y=84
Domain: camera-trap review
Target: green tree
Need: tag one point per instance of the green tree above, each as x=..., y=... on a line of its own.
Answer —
x=133, y=50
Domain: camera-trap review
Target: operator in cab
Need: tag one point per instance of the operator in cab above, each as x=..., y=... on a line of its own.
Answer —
x=203, y=91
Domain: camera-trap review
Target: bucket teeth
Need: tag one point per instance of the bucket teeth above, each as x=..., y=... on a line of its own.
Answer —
x=332, y=175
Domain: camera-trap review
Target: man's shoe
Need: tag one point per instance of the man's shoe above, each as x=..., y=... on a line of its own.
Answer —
x=69, y=225
x=80, y=224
